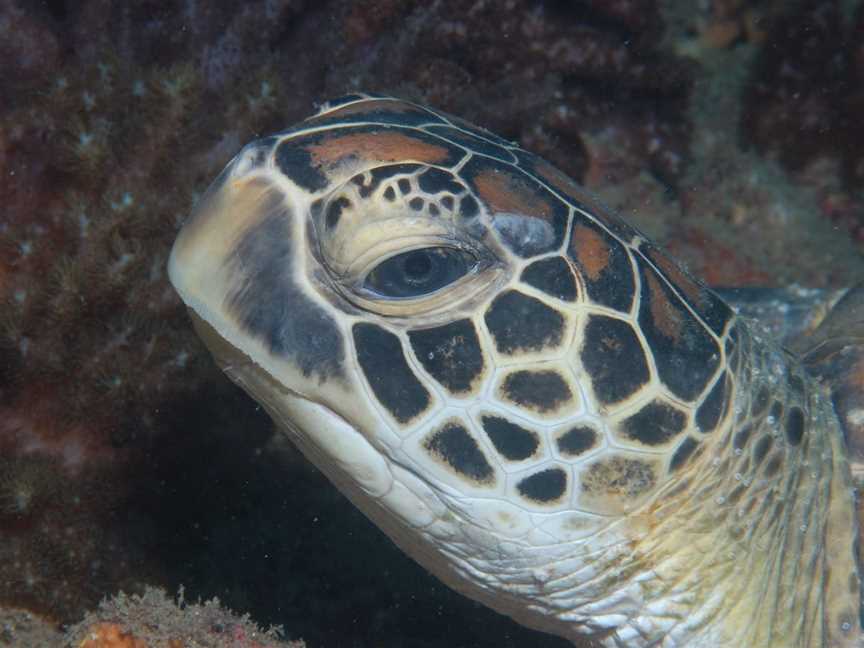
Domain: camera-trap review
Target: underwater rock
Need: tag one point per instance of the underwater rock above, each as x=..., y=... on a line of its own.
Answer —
x=153, y=620
x=807, y=81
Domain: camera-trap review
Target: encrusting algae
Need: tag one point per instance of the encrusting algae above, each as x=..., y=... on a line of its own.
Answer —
x=92, y=341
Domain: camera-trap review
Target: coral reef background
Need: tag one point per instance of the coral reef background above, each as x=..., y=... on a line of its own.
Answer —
x=728, y=130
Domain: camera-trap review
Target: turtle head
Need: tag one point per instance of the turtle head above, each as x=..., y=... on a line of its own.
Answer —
x=494, y=369
x=306, y=265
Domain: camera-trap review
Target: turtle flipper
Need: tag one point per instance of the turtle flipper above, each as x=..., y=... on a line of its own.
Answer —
x=835, y=353
x=788, y=314
x=825, y=328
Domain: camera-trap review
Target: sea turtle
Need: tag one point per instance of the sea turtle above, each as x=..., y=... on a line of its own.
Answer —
x=530, y=398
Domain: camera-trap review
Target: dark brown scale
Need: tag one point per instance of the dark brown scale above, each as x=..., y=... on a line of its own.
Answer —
x=711, y=410
x=614, y=359
x=741, y=437
x=511, y=440
x=603, y=264
x=794, y=427
x=433, y=181
x=364, y=186
x=388, y=373
x=685, y=353
x=540, y=391
x=654, y=424
x=520, y=323
x=450, y=353
x=545, y=486
x=553, y=277
x=683, y=453
x=713, y=310
x=761, y=449
x=576, y=441
x=775, y=463
x=454, y=446
x=334, y=211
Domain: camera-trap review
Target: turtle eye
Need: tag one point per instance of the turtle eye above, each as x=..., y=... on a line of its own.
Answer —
x=419, y=272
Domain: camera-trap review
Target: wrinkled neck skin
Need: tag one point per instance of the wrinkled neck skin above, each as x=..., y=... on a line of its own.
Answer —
x=751, y=547
x=757, y=549
x=755, y=545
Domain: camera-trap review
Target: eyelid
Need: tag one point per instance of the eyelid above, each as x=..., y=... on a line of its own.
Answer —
x=353, y=252
x=384, y=248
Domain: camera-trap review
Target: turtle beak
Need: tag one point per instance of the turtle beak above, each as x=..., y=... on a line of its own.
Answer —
x=238, y=237
x=211, y=259
x=239, y=265
x=204, y=256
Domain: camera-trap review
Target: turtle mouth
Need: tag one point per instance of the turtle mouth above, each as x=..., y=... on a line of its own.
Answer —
x=327, y=438
x=239, y=371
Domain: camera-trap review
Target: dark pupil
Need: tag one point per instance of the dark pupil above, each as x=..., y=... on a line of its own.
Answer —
x=417, y=266
x=418, y=272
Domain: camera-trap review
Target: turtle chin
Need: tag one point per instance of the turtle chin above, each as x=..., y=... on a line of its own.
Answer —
x=324, y=436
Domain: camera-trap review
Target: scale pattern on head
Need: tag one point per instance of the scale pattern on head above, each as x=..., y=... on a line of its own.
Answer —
x=580, y=376
x=508, y=369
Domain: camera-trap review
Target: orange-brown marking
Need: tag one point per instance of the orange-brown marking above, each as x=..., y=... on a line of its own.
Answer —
x=855, y=376
x=591, y=250
x=367, y=107
x=569, y=187
x=667, y=318
x=504, y=192
x=382, y=147
x=849, y=398
x=692, y=290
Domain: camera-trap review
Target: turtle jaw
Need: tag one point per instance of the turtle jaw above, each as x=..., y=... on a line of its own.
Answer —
x=239, y=265
x=336, y=447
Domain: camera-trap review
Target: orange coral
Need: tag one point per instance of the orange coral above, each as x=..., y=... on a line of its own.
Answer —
x=110, y=635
